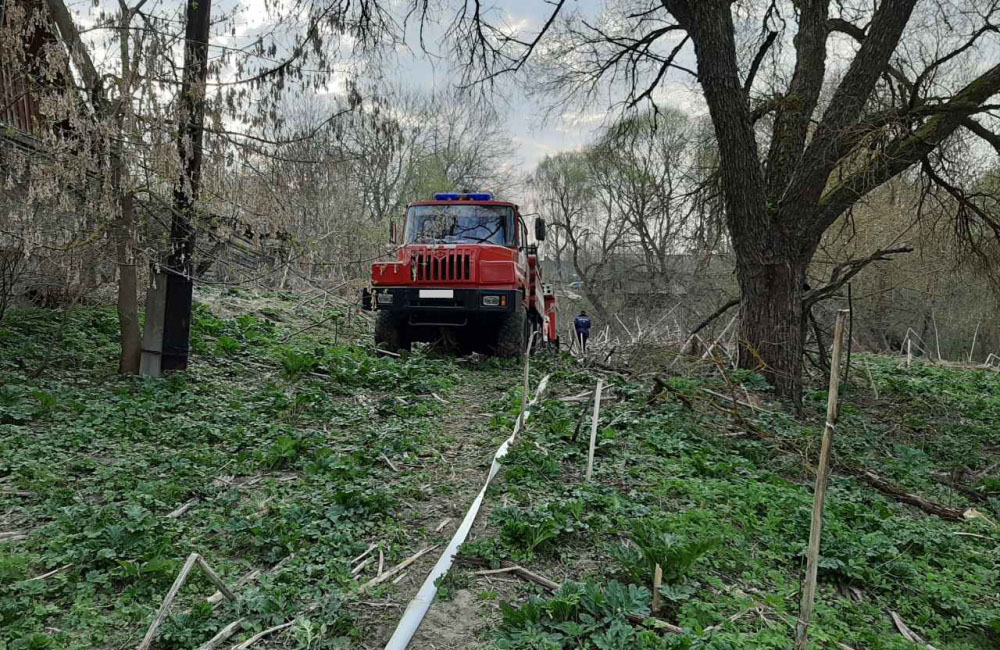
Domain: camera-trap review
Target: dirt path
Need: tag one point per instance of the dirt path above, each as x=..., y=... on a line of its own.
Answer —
x=456, y=467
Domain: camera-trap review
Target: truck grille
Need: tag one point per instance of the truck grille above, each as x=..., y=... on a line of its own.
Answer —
x=432, y=268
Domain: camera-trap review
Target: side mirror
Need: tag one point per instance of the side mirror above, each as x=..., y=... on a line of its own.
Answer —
x=393, y=233
x=539, y=229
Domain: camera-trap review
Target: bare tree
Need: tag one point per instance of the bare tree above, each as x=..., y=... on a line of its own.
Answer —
x=568, y=199
x=802, y=145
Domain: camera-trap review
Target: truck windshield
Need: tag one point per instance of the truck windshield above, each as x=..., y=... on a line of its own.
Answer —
x=459, y=224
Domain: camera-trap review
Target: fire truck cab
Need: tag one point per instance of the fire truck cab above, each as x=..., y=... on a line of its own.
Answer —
x=464, y=272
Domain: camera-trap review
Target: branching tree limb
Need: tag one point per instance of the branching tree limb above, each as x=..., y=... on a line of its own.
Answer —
x=843, y=272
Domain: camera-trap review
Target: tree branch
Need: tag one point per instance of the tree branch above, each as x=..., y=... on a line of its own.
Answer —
x=906, y=150
x=715, y=314
x=77, y=50
x=985, y=134
x=844, y=271
x=791, y=126
x=849, y=99
x=758, y=59
x=858, y=34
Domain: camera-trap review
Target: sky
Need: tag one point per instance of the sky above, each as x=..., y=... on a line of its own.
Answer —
x=536, y=131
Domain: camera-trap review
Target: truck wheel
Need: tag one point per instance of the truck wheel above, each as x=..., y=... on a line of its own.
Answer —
x=511, y=335
x=390, y=332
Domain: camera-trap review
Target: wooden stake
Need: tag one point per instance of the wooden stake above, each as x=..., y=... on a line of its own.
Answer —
x=525, y=387
x=593, y=428
x=872, y=379
x=657, y=580
x=162, y=613
x=974, y=335
x=819, y=497
x=909, y=352
x=937, y=341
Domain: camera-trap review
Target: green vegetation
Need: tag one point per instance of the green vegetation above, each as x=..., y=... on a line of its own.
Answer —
x=280, y=441
x=721, y=500
x=296, y=449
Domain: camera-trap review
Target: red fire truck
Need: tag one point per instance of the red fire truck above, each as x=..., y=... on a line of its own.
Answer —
x=464, y=273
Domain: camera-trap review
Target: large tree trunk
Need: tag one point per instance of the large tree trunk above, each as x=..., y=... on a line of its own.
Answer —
x=771, y=256
x=771, y=320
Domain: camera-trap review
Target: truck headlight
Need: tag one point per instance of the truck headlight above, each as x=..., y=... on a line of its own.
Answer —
x=491, y=301
x=384, y=298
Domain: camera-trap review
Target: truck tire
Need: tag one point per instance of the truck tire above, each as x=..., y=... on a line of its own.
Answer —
x=390, y=332
x=511, y=335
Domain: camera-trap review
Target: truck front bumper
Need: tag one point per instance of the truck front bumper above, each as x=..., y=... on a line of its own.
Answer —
x=439, y=306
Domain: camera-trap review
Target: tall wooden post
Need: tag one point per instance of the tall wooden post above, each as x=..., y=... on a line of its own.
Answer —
x=179, y=267
x=819, y=498
x=593, y=429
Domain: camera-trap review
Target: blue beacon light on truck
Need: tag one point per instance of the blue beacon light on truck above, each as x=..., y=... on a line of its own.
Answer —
x=472, y=196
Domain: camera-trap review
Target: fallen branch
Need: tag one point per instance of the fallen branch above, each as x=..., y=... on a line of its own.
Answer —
x=214, y=578
x=906, y=632
x=260, y=635
x=660, y=386
x=390, y=464
x=553, y=586
x=223, y=635
x=367, y=551
x=396, y=569
x=147, y=641
x=358, y=569
x=50, y=573
x=218, y=596
x=930, y=507
x=182, y=509
x=734, y=400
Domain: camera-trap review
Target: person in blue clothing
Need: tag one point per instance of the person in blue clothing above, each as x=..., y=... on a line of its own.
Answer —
x=582, y=325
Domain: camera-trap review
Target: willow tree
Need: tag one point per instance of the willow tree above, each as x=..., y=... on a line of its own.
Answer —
x=815, y=104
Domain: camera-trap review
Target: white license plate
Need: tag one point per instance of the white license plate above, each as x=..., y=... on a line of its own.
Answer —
x=437, y=293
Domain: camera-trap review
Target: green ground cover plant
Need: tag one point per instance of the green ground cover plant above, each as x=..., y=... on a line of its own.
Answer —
x=279, y=439
x=297, y=448
x=720, y=496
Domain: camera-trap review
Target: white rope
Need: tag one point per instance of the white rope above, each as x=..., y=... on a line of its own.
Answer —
x=418, y=607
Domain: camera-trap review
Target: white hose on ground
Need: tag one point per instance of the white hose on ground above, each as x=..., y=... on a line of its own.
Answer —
x=418, y=607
